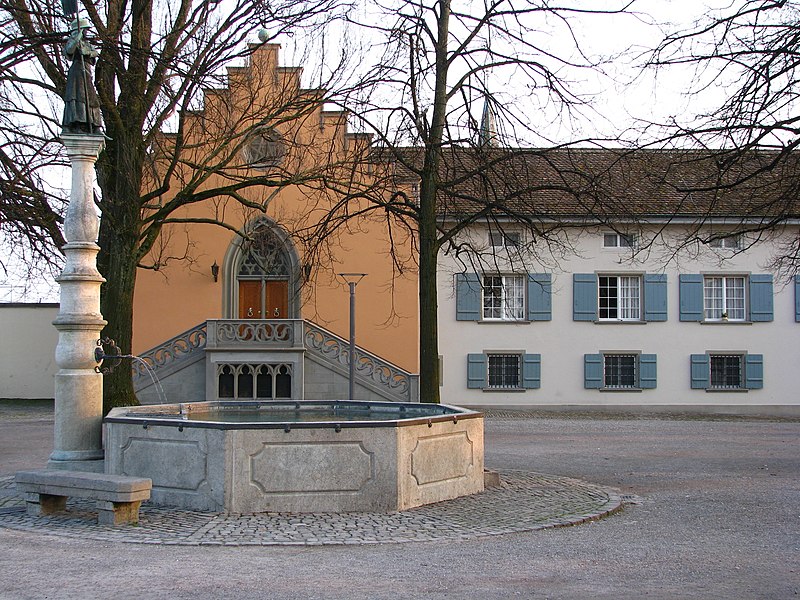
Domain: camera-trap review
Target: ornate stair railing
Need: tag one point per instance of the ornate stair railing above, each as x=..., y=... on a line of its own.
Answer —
x=254, y=333
x=183, y=349
x=369, y=368
x=228, y=334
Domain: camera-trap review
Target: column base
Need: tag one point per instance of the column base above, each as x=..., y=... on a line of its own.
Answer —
x=90, y=463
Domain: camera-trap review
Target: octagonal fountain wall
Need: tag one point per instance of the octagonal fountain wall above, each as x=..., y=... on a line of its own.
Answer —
x=246, y=457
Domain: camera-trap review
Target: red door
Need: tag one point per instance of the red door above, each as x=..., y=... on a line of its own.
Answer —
x=250, y=300
x=276, y=299
x=277, y=304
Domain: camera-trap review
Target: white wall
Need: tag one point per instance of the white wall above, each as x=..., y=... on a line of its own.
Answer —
x=562, y=342
x=27, y=350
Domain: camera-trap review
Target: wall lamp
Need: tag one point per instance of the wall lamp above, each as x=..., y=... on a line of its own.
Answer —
x=215, y=271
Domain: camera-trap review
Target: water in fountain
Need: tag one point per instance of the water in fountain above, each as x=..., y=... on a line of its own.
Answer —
x=100, y=355
x=153, y=377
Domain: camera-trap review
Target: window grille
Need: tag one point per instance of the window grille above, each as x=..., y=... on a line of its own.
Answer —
x=504, y=370
x=726, y=371
x=264, y=149
x=620, y=371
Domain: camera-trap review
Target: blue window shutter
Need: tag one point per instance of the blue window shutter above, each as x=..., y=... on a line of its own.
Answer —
x=754, y=371
x=584, y=297
x=592, y=371
x=760, y=298
x=647, y=371
x=691, y=293
x=701, y=371
x=797, y=298
x=540, y=290
x=476, y=371
x=655, y=297
x=468, y=297
x=531, y=371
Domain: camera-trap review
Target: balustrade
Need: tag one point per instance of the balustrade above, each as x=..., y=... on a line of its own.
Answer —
x=171, y=352
x=244, y=335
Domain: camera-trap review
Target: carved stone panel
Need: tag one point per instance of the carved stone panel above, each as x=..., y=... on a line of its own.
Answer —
x=173, y=464
x=441, y=457
x=309, y=468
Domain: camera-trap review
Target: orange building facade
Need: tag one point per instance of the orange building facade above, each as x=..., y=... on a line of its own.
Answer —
x=264, y=264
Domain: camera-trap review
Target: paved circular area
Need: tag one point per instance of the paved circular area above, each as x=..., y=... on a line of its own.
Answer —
x=523, y=502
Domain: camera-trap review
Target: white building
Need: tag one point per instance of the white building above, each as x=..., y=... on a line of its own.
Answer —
x=628, y=315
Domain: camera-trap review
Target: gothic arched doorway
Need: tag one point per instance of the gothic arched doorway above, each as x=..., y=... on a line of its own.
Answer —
x=263, y=274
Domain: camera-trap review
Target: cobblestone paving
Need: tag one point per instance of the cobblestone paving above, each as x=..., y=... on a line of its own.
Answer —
x=523, y=502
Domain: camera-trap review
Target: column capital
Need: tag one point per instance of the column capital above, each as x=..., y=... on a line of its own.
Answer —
x=83, y=145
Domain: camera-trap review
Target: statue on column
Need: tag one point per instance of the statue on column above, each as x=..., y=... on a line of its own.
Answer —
x=81, y=104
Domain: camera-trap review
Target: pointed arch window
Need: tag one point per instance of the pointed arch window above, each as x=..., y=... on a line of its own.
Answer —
x=264, y=255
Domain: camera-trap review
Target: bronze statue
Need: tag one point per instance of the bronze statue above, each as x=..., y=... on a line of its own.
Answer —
x=81, y=104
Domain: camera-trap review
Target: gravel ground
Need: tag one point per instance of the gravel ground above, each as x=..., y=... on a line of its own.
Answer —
x=718, y=517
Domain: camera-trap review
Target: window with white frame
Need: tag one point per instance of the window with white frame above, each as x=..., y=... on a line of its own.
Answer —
x=504, y=297
x=724, y=298
x=726, y=371
x=504, y=239
x=619, y=297
x=619, y=371
x=733, y=242
x=618, y=240
x=504, y=371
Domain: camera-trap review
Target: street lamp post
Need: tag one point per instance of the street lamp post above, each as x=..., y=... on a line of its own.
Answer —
x=352, y=280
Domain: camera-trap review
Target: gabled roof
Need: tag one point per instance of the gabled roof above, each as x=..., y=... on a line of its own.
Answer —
x=605, y=184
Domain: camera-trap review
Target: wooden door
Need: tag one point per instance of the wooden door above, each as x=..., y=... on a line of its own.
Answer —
x=277, y=300
x=250, y=300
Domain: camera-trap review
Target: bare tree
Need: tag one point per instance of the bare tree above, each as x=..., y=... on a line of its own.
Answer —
x=453, y=105
x=30, y=212
x=747, y=56
x=159, y=63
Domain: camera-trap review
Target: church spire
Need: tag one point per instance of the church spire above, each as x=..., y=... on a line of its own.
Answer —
x=487, y=135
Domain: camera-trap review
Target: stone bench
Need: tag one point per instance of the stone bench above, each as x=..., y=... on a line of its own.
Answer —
x=118, y=497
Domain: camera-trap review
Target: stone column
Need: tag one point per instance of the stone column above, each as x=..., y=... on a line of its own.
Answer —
x=78, y=441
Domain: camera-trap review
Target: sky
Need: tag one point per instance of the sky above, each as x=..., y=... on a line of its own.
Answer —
x=624, y=96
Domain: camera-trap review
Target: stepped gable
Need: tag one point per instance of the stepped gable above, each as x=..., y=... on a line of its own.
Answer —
x=263, y=93
x=261, y=124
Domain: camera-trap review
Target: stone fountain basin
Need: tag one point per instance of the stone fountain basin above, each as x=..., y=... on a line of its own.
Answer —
x=248, y=457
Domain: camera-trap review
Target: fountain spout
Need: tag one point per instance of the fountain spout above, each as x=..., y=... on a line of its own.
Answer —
x=113, y=354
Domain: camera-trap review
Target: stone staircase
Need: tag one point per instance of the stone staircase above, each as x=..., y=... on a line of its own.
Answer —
x=188, y=365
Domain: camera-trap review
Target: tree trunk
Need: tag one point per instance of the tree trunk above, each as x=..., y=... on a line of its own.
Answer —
x=119, y=177
x=428, y=234
x=118, y=266
x=428, y=316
